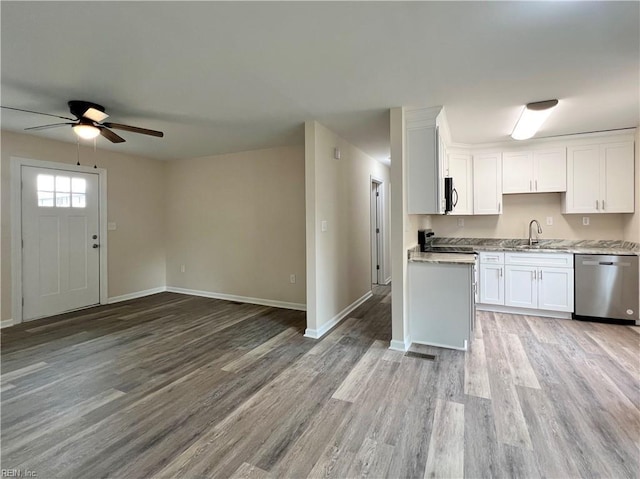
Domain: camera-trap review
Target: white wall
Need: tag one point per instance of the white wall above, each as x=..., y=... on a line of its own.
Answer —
x=520, y=209
x=136, y=203
x=236, y=222
x=338, y=192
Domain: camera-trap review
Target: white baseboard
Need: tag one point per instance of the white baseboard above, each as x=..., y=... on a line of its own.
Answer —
x=240, y=299
x=445, y=346
x=399, y=345
x=5, y=323
x=324, y=329
x=496, y=308
x=387, y=281
x=136, y=295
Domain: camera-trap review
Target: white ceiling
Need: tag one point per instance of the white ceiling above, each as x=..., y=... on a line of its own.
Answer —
x=224, y=77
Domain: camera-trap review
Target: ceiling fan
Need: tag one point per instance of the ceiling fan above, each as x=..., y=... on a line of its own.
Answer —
x=89, y=122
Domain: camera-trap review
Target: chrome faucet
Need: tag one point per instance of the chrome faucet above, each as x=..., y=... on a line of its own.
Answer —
x=533, y=241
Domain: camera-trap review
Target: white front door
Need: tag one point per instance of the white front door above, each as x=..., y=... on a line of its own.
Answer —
x=60, y=235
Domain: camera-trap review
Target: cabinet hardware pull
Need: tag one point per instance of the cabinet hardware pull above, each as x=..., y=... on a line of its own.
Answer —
x=530, y=187
x=602, y=205
x=597, y=205
x=501, y=272
x=540, y=275
x=536, y=185
x=534, y=274
x=499, y=206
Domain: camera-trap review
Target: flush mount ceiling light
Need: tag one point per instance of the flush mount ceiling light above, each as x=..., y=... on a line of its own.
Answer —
x=86, y=131
x=532, y=118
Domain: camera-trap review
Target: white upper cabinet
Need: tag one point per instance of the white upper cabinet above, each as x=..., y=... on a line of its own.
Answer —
x=550, y=170
x=600, y=178
x=538, y=171
x=460, y=168
x=423, y=161
x=517, y=172
x=487, y=184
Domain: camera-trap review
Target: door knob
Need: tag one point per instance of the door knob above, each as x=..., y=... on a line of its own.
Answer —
x=94, y=237
x=96, y=245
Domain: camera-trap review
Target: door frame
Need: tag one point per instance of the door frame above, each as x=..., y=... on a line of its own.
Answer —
x=16, y=226
x=380, y=239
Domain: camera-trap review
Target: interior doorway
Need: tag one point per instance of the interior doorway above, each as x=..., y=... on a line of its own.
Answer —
x=377, y=246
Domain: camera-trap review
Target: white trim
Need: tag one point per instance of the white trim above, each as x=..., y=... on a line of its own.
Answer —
x=5, y=323
x=324, y=329
x=381, y=246
x=387, y=281
x=16, y=164
x=496, y=308
x=445, y=346
x=136, y=295
x=240, y=299
x=396, y=345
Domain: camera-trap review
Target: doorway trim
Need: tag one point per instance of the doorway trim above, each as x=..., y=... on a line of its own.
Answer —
x=16, y=226
x=380, y=239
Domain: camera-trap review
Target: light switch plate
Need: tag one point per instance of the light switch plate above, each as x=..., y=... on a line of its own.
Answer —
x=111, y=226
x=585, y=221
x=549, y=220
x=460, y=222
x=323, y=225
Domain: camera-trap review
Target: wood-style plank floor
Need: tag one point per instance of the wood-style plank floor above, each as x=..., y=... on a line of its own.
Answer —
x=178, y=386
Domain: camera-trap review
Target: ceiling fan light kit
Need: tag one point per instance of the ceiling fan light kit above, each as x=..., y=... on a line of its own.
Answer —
x=531, y=119
x=85, y=131
x=89, y=122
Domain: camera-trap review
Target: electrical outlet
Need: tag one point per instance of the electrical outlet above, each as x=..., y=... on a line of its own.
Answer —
x=549, y=220
x=323, y=225
x=112, y=226
x=292, y=278
x=460, y=222
x=182, y=268
x=585, y=221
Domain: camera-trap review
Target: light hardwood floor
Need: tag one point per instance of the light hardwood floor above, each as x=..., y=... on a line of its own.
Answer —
x=178, y=386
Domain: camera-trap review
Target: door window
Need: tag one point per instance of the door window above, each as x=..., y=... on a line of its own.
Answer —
x=61, y=191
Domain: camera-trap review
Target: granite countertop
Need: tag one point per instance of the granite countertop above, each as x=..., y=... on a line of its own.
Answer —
x=443, y=258
x=544, y=246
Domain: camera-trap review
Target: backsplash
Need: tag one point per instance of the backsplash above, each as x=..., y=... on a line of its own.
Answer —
x=519, y=209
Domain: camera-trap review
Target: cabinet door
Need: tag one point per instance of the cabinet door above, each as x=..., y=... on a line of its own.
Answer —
x=617, y=176
x=461, y=170
x=487, y=184
x=492, y=284
x=521, y=289
x=555, y=289
x=550, y=170
x=583, y=179
x=422, y=170
x=517, y=172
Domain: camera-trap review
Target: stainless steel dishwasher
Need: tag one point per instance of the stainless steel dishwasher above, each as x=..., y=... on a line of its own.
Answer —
x=606, y=286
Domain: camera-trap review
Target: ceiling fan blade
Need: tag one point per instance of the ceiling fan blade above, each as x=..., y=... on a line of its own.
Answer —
x=134, y=129
x=95, y=115
x=46, y=127
x=37, y=113
x=111, y=136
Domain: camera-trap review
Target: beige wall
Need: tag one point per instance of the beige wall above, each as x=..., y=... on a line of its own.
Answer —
x=236, y=222
x=136, y=203
x=632, y=222
x=340, y=258
x=519, y=210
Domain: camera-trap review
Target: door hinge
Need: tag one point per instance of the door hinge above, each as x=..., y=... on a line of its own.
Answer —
x=377, y=194
x=22, y=243
x=377, y=230
x=377, y=266
x=22, y=301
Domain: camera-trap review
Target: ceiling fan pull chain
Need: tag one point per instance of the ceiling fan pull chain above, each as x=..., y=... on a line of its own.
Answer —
x=94, y=153
x=78, y=149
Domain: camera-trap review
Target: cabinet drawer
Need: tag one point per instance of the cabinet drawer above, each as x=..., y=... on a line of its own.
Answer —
x=491, y=258
x=558, y=260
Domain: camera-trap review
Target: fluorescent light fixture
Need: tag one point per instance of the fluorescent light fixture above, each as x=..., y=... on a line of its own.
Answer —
x=87, y=132
x=531, y=119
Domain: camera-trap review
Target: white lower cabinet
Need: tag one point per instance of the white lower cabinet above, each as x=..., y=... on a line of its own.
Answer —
x=492, y=284
x=533, y=281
